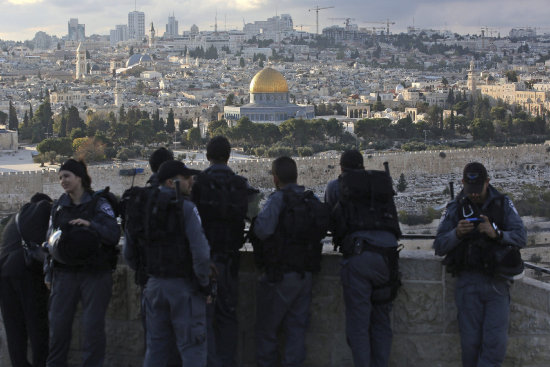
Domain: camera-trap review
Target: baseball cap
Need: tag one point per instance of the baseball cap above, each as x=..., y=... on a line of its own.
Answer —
x=474, y=177
x=173, y=168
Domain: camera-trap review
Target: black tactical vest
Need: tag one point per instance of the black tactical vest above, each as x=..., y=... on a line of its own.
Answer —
x=163, y=241
x=476, y=251
x=365, y=203
x=221, y=198
x=106, y=256
x=296, y=244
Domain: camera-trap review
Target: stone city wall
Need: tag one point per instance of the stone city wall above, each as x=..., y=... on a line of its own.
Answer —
x=423, y=319
x=17, y=187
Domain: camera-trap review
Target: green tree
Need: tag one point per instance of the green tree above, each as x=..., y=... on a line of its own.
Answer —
x=74, y=121
x=185, y=124
x=170, y=123
x=498, y=113
x=402, y=183
x=13, y=122
x=230, y=100
x=194, y=137
x=512, y=76
x=145, y=132
x=482, y=129
x=241, y=62
x=3, y=117
x=61, y=146
x=218, y=127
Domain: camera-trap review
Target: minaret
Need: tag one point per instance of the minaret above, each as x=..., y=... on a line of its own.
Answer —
x=118, y=95
x=80, y=62
x=472, y=80
x=151, y=36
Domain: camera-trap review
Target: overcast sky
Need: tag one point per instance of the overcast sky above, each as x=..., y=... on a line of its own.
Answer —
x=21, y=19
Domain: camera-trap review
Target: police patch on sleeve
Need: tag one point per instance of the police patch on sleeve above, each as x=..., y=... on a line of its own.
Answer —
x=106, y=208
x=512, y=207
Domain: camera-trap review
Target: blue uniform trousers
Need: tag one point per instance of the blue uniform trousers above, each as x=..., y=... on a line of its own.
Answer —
x=284, y=304
x=223, y=326
x=94, y=291
x=483, y=305
x=368, y=326
x=174, y=309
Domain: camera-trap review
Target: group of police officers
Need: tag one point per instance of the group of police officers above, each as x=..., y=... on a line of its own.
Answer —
x=183, y=233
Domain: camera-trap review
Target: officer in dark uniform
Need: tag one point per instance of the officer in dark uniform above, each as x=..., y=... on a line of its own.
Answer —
x=23, y=294
x=370, y=259
x=81, y=269
x=284, y=288
x=222, y=199
x=478, y=228
x=158, y=157
x=178, y=268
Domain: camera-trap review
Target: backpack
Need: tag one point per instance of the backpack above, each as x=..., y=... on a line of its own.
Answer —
x=296, y=244
x=221, y=198
x=365, y=203
x=154, y=219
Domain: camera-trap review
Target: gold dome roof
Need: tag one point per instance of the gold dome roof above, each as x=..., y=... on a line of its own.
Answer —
x=268, y=81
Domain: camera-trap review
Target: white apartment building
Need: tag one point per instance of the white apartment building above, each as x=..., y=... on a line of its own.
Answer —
x=136, y=25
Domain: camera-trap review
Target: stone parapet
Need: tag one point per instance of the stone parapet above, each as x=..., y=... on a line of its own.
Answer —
x=423, y=319
x=18, y=187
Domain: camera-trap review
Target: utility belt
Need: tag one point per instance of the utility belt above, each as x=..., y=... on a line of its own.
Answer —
x=386, y=292
x=356, y=246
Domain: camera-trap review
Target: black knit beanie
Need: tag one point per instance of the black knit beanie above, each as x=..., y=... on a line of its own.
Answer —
x=79, y=169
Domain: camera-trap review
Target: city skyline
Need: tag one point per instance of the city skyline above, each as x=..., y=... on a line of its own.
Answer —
x=21, y=19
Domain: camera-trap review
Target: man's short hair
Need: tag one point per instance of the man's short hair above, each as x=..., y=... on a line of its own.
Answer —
x=158, y=157
x=351, y=159
x=218, y=149
x=285, y=169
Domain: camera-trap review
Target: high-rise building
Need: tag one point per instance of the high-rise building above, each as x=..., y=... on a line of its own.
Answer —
x=171, y=27
x=136, y=25
x=77, y=32
x=271, y=27
x=119, y=34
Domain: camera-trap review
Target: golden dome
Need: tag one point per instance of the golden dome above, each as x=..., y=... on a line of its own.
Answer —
x=268, y=81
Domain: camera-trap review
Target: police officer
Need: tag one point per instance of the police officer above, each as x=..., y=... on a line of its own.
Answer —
x=178, y=266
x=287, y=260
x=222, y=199
x=23, y=294
x=158, y=157
x=367, y=237
x=478, y=228
x=81, y=270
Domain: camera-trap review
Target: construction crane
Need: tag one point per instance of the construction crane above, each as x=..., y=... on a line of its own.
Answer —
x=347, y=20
x=302, y=26
x=387, y=23
x=317, y=8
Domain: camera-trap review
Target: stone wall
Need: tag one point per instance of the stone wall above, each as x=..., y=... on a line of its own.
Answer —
x=17, y=187
x=423, y=318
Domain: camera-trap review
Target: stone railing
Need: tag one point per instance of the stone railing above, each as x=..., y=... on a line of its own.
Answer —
x=423, y=317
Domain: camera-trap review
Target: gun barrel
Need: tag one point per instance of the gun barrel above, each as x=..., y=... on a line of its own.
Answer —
x=387, y=168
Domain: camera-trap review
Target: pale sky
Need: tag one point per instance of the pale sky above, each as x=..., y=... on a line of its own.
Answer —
x=21, y=19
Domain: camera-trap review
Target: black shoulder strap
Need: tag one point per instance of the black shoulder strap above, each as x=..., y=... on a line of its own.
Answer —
x=23, y=242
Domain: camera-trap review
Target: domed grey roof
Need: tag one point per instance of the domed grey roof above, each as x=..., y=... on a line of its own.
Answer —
x=136, y=59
